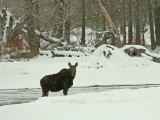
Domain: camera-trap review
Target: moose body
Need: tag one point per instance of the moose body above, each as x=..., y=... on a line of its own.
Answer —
x=63, y=80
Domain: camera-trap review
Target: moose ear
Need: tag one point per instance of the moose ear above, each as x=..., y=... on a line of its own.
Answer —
x=69, y=64
x=76, y=64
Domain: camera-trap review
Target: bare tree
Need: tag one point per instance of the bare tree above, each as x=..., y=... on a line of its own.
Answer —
x=30, y=27
x=144, y=21
x=110, y=22
x=124, y=22
x=149, y=4
x=137, y=21
x=83, y=23
x=130, y=24
x=157, y=21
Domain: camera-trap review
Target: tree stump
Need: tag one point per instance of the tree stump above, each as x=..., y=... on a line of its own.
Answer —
x=134, y=51
x=156, y=59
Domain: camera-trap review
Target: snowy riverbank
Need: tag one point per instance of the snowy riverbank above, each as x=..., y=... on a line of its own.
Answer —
x=95, y=69
x=141, y=104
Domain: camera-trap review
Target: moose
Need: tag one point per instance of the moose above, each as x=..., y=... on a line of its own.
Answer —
x=63, y=80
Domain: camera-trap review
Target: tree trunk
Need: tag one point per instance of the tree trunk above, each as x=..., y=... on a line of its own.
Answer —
x=37, y=14
x=29, y=17
x=130, y=31
x=137, y=18
x=149, y=4
x=67, y=31
x=144, y=22
x=6, y=22
x=4, y=28
x=60, y=15
x=67, y=22
x=37, y=20
x=108, y=19
x=124, y=23
x=83, y=23
x=157, y=21
x=110, y=22
x=104, y=21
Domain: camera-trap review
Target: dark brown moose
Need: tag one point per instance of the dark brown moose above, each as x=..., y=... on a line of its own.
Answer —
x=63, y=80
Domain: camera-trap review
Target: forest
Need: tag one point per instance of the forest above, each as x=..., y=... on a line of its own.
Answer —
x=28, y=26
x=79, y=59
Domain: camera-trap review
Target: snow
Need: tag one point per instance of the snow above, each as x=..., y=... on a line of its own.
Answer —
x=7, y=23
x=90, y=36
x=95, y=69
x=8, y=17
x=142, y=48
x=6, y=26
x=45, y=35
x=142, y=104
x=1, y=14
x=135, y=46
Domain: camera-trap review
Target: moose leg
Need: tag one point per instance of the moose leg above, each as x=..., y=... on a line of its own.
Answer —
x=65, y=91
x=44, y=93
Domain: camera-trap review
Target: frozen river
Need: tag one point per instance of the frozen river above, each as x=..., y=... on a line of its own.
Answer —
x=17, y=96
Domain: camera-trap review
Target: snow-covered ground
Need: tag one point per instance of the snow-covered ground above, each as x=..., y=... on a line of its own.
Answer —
x=96, y=69
x=142, y=104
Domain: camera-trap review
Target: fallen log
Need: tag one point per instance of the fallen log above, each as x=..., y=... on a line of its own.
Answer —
x=67, y=54
x=133, y=52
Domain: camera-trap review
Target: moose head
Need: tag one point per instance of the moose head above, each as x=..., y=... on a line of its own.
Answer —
x=73, y=68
